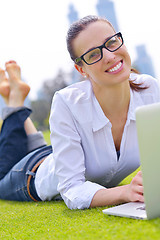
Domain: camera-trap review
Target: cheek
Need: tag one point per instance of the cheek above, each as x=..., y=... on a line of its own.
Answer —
x=92, y=75
x=93, y=71
x=127, y=55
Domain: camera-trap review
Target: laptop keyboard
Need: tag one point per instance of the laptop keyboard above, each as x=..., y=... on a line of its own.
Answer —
x=141, y=208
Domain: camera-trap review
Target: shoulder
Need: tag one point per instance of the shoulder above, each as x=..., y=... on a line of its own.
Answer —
x=77, y=93
x=152, y=93
x=146, y=80
x=74, y=101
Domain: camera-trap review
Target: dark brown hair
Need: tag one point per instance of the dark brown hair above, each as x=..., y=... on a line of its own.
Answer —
x=77, y=27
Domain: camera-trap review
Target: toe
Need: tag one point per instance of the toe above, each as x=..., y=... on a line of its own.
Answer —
x=2, y=75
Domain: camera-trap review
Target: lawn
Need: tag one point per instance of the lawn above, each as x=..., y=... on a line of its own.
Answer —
x=53, y=220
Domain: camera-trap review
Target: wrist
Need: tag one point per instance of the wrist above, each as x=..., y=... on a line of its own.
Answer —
x=124, y=193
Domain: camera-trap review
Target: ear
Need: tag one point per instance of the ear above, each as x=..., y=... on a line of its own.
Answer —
x=80, y=70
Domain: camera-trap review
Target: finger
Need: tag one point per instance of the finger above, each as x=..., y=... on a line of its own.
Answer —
x=137, y=189
x=140, y=198
x=137, y=179
x=140, y=180
x=140, y=189
x=139, y=173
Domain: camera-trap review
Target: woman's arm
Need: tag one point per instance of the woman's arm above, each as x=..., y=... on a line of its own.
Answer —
x=69, y=157
x=128, y=193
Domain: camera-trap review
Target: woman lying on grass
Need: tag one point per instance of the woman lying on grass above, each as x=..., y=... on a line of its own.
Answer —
x=93, y=128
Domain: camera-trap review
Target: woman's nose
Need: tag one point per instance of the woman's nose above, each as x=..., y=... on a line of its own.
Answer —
x=107, y=55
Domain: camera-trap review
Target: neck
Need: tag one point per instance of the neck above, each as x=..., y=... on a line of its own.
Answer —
x=114, y=101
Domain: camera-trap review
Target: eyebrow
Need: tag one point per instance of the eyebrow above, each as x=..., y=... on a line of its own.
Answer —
x=99, y=45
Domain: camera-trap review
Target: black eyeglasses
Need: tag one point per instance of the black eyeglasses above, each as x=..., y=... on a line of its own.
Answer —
x=96, y=54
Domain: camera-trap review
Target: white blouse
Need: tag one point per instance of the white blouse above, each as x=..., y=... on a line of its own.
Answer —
x=84, y=157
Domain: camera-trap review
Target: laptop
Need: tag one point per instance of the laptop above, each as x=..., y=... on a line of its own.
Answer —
x=148, y=132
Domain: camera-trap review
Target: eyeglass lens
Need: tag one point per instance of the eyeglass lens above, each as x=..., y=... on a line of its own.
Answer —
x=96, y=54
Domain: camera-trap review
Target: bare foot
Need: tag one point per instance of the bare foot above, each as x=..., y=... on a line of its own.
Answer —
x=4, y=86
x=18, y=89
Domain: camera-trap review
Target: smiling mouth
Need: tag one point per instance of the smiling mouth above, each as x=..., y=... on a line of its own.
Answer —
x=115, y=68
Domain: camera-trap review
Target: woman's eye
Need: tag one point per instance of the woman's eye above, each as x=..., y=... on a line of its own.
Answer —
x=111, y=42
x=94, y=54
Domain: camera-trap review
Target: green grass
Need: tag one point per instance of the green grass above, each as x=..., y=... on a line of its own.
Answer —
x=53, y=220
x=46, y=135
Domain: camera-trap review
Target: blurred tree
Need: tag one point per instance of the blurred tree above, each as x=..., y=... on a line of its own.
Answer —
x=41, y=107
x=51, y=86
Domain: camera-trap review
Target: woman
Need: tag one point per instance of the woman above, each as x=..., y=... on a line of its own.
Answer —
x=93, y=127
x=93, y=131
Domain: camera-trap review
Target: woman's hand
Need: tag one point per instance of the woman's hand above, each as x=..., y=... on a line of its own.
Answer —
x=134, y=190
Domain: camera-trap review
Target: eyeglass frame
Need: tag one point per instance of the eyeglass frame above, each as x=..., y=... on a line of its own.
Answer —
x=100, y=47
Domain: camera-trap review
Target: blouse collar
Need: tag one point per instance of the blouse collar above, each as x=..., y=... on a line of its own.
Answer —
x=99, y=118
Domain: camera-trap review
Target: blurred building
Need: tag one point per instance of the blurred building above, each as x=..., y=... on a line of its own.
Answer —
x=72, y=17
x=72, y=14
x=106, y=8
x=143, y=63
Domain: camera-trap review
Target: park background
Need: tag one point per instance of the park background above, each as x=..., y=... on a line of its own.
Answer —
x=33, y=33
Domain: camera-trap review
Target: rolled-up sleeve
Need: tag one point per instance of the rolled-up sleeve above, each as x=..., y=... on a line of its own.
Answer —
x=69, y=157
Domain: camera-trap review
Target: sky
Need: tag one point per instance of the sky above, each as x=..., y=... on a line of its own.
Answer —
x=33, y=32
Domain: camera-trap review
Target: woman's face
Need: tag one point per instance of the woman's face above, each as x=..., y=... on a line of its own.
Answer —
x=113, y=68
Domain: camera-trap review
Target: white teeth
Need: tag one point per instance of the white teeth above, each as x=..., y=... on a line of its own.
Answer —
x=116, y=67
